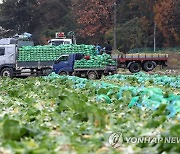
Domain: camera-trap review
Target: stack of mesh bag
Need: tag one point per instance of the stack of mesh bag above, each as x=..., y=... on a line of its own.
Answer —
x=98, y=61
x=52, y=53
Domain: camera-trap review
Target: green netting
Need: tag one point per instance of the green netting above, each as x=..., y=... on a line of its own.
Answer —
x=104, y=98
x=98, y=61
x=139, y=96
x=172, y=81
x=51, y=53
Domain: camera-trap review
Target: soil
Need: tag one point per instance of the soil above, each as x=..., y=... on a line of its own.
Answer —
x=173, y=60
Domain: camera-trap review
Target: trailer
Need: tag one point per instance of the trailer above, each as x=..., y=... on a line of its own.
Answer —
x=137, y=62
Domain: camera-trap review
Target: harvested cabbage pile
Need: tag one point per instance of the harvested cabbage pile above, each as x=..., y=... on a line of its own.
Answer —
x=52, y=53
x=98, y=61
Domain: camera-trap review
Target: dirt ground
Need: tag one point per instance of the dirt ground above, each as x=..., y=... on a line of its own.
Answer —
x=174, y=60
x=173, y=63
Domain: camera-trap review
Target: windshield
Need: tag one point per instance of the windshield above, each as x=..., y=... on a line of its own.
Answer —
x=66, y=42
x=62, y=58
x=56, y=43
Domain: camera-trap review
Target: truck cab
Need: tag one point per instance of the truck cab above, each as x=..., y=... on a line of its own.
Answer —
x=59, y=39
x=7, y=59
x=7, y=54
x=57, y=42
x=64, y=65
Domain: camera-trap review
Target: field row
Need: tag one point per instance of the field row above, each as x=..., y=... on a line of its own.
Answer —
x=59, y=114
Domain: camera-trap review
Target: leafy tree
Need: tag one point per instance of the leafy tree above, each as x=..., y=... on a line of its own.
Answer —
x=93, y=20
x=18, y=15
x=131, y=35
x=52, y=12
x=167, y=17
x=39, y=17
x=135, y=25
x=93, y=16
x=56, y=16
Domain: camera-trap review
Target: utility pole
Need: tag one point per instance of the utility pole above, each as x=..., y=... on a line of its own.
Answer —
x=115, y=25
x=154, y=37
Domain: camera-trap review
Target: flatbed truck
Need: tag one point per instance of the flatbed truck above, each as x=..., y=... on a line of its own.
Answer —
x=65, y=66
x=138, y=62
x=10, y=66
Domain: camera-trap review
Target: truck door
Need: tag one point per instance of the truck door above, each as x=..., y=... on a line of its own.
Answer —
x=2, y=55
x=10, y=54
x=7, y=54
x=64, y=63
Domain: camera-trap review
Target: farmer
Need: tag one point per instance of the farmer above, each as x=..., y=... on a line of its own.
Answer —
x=98, y=49
x=108, y=48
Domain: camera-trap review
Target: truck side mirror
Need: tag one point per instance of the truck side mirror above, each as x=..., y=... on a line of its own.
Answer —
x=56, y=61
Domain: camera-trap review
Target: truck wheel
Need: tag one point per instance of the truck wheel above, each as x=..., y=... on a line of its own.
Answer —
x=63, y=73
x=135, y=67
x=114, y=72
x=99, y=76
x=148, y=66
x=7, y=72
x=92, y=75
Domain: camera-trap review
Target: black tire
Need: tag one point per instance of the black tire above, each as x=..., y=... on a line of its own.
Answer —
x=7, y=72
x=92, y=75
x=114, y=72
x=63, y=73
x=99, y=76
x=148, y=66
x=135, y=67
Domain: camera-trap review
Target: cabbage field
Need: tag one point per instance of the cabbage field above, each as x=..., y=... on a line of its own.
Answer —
x=66, y=114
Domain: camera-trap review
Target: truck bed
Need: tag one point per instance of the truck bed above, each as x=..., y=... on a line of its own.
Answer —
x=89, y=69
x=142, y=56
x=96, y=69
x=35, y=64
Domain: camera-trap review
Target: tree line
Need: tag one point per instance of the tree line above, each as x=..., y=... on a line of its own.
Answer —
x=92, y=21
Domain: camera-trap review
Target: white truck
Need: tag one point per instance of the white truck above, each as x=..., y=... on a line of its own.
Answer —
x=60, y=38
x=10, y=66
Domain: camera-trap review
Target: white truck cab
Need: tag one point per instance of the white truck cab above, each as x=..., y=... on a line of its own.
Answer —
x=7, y=54
x=57, y=42
x=60, y=39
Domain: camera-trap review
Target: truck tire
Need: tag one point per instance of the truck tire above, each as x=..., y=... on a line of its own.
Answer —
x=114, y=72
x=92, y=75
x=99, y=76
x=148, y=66
x=7, y=72
x=63, y=73
x=135, y=67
